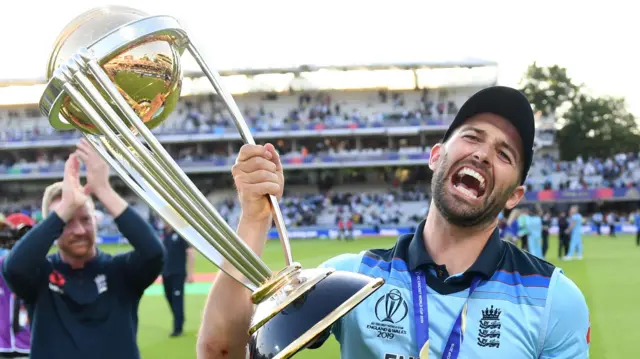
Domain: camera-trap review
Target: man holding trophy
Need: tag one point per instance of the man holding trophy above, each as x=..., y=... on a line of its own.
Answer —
x=453, y=279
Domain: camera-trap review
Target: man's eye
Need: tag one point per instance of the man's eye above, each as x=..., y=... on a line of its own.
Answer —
x=505, y=156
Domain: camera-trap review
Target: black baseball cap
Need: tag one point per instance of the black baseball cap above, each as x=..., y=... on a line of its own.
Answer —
x=505, y=102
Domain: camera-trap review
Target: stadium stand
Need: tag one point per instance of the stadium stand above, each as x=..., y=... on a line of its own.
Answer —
x=357, y=152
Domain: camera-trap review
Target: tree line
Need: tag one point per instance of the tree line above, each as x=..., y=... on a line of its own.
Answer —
x=587, y=125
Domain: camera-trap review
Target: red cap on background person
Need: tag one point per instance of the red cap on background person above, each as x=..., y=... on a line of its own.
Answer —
x=13, y=228
x=18, y=220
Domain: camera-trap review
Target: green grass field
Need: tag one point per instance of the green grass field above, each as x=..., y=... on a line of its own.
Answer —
x=606, y=277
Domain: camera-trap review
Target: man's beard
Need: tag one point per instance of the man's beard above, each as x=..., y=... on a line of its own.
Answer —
x=458, y=213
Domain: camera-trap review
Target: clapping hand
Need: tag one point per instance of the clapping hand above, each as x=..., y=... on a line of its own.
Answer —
x=74, y=194
x=97, y=168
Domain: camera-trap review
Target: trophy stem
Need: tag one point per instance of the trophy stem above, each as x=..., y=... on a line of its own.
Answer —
x=247, y=137
x=234, y=258
x=166, y=161
x=160, y=205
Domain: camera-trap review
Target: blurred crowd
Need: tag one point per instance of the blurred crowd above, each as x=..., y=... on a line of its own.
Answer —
x=317, y=109
x=312, y=209
x=305, y=111
x=403, y=206
x=619, y=171
x=273, y=112
x=269, y=112
x=383, y=208
x=218, y=155
x=298, y=210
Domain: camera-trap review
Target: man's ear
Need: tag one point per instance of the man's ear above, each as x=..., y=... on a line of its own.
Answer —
x=515, y=197
x=434, y=156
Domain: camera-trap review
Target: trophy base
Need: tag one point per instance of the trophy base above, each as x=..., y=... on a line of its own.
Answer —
x=301, y=306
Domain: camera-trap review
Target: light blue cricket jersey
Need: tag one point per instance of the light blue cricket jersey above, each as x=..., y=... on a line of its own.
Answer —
x=577, y=228
x=534, y=226
x=523, y=308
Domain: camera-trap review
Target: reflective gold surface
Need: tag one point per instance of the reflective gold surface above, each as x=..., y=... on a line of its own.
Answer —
x=275, y=283
x=289, y=291
x=147, y=74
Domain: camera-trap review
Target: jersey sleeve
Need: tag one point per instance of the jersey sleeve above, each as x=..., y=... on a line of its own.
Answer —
x=141, y=266
x=343, y=262
x=568, y=332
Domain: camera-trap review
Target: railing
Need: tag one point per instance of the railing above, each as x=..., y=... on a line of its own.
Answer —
x=223, y=164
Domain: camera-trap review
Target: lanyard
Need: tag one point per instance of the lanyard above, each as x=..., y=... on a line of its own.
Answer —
x=421, y=315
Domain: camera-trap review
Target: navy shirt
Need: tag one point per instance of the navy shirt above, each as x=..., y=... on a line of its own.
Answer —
x=176, y=248
x=89, y=312
x=523, y=307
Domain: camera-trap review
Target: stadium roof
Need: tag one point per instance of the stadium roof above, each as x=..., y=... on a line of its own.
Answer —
x=190, y=71
x=470, y=62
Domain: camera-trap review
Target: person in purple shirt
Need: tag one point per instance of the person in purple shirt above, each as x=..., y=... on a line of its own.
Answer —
x=15, y=330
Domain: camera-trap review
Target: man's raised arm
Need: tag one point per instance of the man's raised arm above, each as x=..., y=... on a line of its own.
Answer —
x=228, y=309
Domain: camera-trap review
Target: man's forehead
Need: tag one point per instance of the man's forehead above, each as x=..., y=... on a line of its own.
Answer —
x=488, y=122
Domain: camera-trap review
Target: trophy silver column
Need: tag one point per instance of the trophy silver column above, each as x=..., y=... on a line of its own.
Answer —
x=115, y=74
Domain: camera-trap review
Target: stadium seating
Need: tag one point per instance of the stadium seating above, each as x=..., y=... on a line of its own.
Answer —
x=202, y=119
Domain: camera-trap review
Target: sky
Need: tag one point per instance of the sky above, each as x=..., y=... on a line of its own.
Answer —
x=594, y=39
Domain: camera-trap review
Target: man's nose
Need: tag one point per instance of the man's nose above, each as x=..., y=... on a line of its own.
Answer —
x=481, y=155
x=77, y=228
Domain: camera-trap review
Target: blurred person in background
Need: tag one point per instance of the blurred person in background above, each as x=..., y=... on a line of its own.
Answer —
x=512, y=226
x=523, y=228
x=611, y=221
x=349, y=229
x=502, y=225
x=83, y=302
x=597, y=220
x=341, y=226
x=636, y=222
x=178, y=268
x=546, y=226
x=15, y=332
x=575, y=234
x=563, y=235
x=534, y=233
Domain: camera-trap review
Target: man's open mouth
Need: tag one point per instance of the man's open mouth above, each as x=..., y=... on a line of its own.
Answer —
x=469, y=182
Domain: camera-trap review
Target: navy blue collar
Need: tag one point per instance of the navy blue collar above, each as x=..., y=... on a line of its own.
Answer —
x=485, y=265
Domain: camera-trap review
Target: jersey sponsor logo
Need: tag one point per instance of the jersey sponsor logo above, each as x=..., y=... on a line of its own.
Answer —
x=390, y=310
x=56, y=278
x=55, y=288
x=489, y=329
x=56, y=282
x=101, y=283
